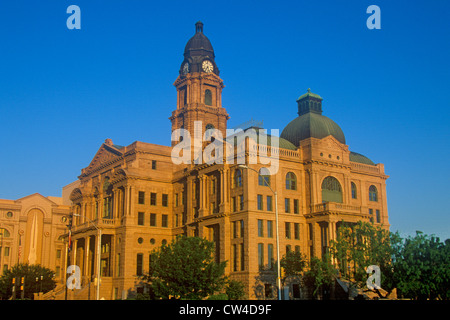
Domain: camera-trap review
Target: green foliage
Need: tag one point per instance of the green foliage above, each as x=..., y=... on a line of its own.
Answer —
x=421, y=267
x=359, y=246
x=30, y=273
x=185, y=269
x=320, y=274
x=293, y=263
x=235, y=290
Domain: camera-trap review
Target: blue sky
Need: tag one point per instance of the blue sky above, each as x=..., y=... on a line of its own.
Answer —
x=63, y=92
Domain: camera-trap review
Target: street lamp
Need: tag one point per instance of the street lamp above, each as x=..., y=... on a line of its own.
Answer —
x=99, y=243
x=276, y=227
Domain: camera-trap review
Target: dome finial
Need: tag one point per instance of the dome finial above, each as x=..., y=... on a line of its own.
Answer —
x=309, y=89
x=199, y=27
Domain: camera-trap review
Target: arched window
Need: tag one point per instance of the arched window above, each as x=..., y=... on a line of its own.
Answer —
x=354, y=192
x=208, y=97
x=331, y=190
x=238, y=178
x=4, y=233
x=291, y=181
x=373, y=193
x=264, y=177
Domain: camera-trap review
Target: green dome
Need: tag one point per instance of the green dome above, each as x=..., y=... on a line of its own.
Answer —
x=311, y=125
x=357, y=157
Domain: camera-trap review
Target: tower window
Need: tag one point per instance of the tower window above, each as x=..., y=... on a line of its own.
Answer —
x=208, y=97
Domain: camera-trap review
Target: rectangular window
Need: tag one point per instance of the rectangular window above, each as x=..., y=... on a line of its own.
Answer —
x=260, y=202
x=371, y=215
x=234, y=229
x=152, y=219
x=261, y=255
x=140, y=218
x=296, y=211
x=242, y=228
x=378, y=216
x=287, y=205
x=270, y=228
x=235, y=258
x=177, y=220
x=269, y=203
x=153, y=199
x=141, y=199
x=296, y=231
x=242, y=257
x=241, y=202
x=6, y=253
x=176, y=199
x=268, y=290
x=139, y=260
x=287, y=229
x=270, y=256
x=165, y=200
x=154, y=164
x=165, y=221
x=233, y=204
x=260, y=228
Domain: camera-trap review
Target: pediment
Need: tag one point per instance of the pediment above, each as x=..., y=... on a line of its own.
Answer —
x=332, y=143
x=36, y=197
x=104, y=156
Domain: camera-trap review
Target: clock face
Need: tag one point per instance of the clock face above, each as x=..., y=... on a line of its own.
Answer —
x=207, y=66
x=186, y=68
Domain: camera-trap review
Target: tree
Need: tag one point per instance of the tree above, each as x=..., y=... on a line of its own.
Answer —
x=235, y=290
x=421, y=267
x=30, y=273
x=185, y=269
x=360, y=245
x=320, y=275
x=293, y=264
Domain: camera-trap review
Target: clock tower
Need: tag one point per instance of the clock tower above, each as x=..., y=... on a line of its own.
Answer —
x=199, y=88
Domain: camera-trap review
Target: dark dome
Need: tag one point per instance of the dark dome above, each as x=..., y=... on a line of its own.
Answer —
x=357, y=157
x=311, y=125
x=199, y=44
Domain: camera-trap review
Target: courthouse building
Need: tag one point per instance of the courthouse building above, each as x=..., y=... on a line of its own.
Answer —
x=141, y=199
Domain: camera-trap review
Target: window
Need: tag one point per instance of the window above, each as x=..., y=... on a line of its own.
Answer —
x=208, y=97
x=331, y=190
x=264, y=177
x=270, y=255
x=241, y=202
x=165, y=200
x=287, y=229
x=270, y=228
x=378, y=217
x=235, y=258
x=260, y=228
x=354, y=193
x=165, y=221
x=373, y=193
x=260, y=255
x=242, y=257
x=152, y=219
x=296, y=291
x=139, y=261
x=153, y=199
x=233, y=204
x=296, y=211
x=141, y=198
x=238, y=178
x=269, y=203
x=176, y=199
x=296, y=231
x=287, y=205
x=268, y=290
x=291, y=181
x=140, y=218
x=260, y=202
x=371, y=215
x=154, y=164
